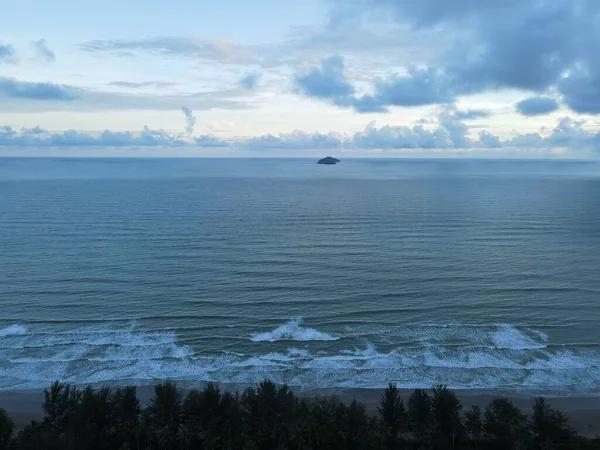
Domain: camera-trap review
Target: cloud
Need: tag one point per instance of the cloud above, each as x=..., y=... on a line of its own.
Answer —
x=209, y=141
x=37, y=136
x=250, y=81
x=418, y=87
x=472, y=114
x=446, y=133
x=529, y=45
x=568, y=133
x=220, y=125
x=440, y=50
x=581, y=90
x=190, y=120
x=144, y=84
x=488, y=140
x=537, y=106
x=43, y=51
x=7, y=53
x=326, y=82
x=37, y=91
x=25, y=96
x=295, y=140
x=220, y=51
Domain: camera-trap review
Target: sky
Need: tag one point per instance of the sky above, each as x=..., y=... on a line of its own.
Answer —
x=516, y=78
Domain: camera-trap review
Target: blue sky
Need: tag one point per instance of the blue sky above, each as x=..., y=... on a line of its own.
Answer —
x=363, y=77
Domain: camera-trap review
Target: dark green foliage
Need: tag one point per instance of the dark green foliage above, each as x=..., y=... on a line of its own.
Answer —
x=164, y=415
x=126, y=419
x=550, y=427
x=272, y=417
x=506, y=425
x=38, y=436
x=474, y=425
x=60, y=404
x=7, y=426
x=392, y=413
x=266, y=410
x=446, y=411
x=420, y=420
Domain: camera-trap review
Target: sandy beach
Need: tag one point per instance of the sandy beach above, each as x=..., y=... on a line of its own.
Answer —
x=584, y=411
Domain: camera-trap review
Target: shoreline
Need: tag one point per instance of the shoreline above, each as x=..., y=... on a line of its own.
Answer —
x=583, y=411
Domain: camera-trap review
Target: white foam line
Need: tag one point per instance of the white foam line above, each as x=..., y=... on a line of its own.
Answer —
x=292, y=331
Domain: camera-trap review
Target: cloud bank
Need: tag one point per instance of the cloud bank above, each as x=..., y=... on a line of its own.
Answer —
x=448, y=133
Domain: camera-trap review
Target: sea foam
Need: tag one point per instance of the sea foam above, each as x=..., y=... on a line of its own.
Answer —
x=13, y=330
x=292, y=331
x=490, y=356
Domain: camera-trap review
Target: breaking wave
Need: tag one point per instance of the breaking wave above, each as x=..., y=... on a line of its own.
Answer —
x=292, y=331
x=495, y=356
x=13, y=330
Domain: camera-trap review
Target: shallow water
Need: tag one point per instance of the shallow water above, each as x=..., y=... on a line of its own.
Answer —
x=477, y=274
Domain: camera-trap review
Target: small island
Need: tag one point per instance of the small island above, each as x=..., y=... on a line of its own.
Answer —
x=328, y=161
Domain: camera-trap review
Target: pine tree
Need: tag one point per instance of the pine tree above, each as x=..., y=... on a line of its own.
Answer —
x=506, y=425
x=446, y=409
x=474, y=424
x=550, y=426
x=7, y=427
x=392, y=414
x=419, y=417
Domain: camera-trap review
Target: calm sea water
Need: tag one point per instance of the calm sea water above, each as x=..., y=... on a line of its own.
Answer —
x=477, y=274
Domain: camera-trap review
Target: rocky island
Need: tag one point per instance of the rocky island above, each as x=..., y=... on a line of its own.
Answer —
x=328, y=161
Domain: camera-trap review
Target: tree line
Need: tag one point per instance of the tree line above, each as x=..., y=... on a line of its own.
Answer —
x=271, y=417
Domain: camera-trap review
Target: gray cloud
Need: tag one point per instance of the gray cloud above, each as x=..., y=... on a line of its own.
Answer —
x=296, y=140
x=326, y=82
x=37, y=136
x=568, y=133
x=24, y=96
x=7, y=53
x=37, y=91
x=447, y=133
x=537, y=106
x=40, y=137
x=209, y=141
x=417, y=88
x=488, y=140
x=450, y=132
x=471, y=114
x=495, y=44
x=455, y=48
x=419, y=14
x=250, y=81
x=43, y=51
x=581, y=90
x=190, y=120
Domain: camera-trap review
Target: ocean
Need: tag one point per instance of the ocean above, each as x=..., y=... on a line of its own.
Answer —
x=479, y=274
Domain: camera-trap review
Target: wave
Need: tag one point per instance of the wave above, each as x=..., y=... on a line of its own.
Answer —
x=292, y=331
x=13, y=330
x=502, y=336
x=517, y=357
